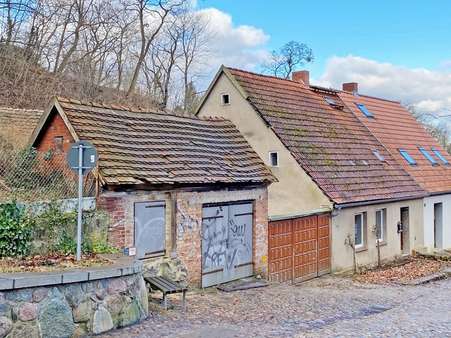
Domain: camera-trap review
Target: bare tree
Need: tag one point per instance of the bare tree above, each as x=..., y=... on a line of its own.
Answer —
x=291, y=56
x=194, y=36
x=157, y=13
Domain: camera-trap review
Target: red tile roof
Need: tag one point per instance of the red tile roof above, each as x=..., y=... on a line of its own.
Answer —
x=395, y=127
x=330, y=143
x=137, y=147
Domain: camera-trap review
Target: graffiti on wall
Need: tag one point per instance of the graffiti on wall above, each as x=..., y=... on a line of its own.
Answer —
x=186, y=223
x=226, y=241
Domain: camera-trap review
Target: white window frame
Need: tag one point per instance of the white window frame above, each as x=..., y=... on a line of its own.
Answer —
x=222, y=99
x=383, y=213
x=270, y=159
x=362, y=244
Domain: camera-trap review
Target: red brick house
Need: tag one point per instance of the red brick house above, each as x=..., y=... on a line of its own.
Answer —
x=176, y=188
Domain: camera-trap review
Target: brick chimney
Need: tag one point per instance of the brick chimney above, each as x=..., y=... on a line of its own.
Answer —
x=302, y=76
x=352, y=87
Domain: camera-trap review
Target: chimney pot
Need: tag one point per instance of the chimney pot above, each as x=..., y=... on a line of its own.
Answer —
x=352, y=87
x=302, y=76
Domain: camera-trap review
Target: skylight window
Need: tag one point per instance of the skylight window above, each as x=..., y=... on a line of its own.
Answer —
x=364, y=110
x=428, y=156
x=378, y=155
x=440, y=156
x=407, y=157
x=330, y=101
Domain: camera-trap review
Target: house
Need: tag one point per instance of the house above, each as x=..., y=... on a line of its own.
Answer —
x=177, y=189
x=418, y=153
x=339, y=193
x=17, y=125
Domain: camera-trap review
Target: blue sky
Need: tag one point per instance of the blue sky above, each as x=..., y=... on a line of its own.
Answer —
x=406, y=33
x=395, y=49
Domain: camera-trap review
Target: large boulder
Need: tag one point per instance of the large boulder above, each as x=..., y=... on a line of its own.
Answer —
x=102, y=321
x=5, y=326
x=55, y=316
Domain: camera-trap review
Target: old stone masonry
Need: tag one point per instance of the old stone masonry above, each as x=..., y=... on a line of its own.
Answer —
x=73, y=310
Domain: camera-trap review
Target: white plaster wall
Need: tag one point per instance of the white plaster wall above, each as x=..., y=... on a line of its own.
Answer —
x=343, y=224
x=295, y=192
x=429, y=220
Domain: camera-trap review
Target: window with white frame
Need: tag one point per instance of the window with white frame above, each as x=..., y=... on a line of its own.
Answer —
x=381, y=225
x=360, y=230
x=273, y=158
x=225, y=99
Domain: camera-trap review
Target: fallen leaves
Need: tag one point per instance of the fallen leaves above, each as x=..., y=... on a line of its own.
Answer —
x=51, y=262
x=413, y=268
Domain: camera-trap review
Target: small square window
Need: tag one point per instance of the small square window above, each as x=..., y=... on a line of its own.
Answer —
x=274, y=159
x=225, y=99
x=58, y=142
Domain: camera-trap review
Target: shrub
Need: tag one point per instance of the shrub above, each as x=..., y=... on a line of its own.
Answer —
x=15, y=230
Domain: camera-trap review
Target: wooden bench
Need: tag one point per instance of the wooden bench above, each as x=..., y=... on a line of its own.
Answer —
x=167, y=287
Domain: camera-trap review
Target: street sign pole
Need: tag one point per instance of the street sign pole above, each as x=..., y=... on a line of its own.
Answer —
x=82, y=158
x=80, y=199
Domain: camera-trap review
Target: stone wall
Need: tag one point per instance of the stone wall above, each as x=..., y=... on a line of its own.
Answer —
x=73, y=310
x=182, y=260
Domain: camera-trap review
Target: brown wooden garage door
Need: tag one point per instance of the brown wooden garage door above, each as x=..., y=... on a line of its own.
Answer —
x=299, y=248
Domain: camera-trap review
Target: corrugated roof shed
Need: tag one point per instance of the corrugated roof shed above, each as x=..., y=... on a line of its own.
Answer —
x=329, y=142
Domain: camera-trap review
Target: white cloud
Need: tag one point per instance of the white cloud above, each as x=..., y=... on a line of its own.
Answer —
x=428, y=90
x=240, y=46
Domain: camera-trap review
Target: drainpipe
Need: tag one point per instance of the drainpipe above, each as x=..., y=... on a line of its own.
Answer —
x=173, y=201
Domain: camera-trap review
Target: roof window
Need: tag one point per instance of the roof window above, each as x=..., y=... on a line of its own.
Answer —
x=428, y=156
x=407, y=157
x=440, y=156
x=378, y=155
x=330, y=101
x=364, y=110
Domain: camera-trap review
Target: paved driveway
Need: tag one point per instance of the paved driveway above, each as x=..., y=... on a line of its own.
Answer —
x=324, y=307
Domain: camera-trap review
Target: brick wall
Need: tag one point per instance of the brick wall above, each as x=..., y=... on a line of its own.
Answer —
x=120, y=207
x=55, y=128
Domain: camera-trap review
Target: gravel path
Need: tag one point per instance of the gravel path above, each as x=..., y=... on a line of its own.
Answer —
x=324, y=307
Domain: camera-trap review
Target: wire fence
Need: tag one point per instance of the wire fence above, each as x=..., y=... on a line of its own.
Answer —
x=31, y=176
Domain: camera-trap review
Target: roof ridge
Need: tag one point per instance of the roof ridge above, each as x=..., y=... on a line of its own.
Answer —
x=138, y=110
x=21, y=109
x=262, y=75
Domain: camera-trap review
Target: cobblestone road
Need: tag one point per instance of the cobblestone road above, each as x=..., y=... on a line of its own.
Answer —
x=325, y=307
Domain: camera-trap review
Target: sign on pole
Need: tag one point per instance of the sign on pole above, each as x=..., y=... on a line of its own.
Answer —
x=82, y=157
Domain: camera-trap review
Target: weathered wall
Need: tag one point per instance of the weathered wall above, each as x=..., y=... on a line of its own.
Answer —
x=429, y=221
x=185, y=249
x=56, y=128
x=343, y=225
x=295, y=192
x=73, y=310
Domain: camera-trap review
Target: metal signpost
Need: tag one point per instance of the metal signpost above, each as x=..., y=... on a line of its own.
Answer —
x=82, y=157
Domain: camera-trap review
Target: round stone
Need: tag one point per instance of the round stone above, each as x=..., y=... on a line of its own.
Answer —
x=102, y=321
x=28, y=311
x=5, y=326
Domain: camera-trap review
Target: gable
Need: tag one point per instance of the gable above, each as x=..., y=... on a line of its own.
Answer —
x=294, y=192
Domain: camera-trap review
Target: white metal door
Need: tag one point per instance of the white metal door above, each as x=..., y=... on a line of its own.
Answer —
x=226, y=243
